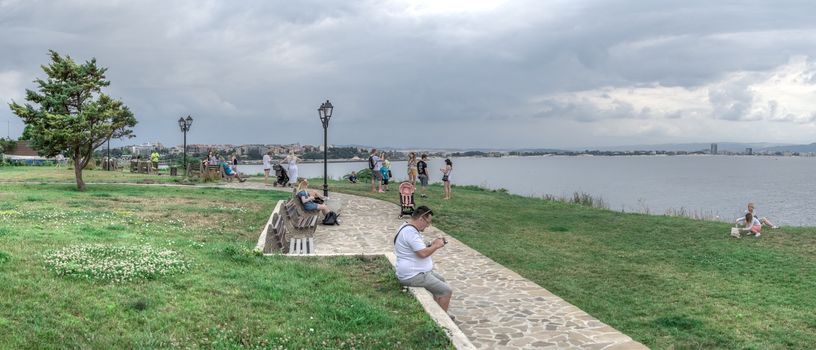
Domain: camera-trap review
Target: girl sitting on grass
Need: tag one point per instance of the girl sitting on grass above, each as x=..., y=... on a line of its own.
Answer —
x=751, y=225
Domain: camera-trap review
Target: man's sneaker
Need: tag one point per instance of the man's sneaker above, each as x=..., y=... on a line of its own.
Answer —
x=758, y=234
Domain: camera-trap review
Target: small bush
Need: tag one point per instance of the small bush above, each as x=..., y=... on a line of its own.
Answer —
x=362, y=175
x=239, y=254
x=580, y=198
x=114, y=263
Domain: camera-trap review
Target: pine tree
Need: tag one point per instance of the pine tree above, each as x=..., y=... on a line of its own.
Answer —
x=70, y=114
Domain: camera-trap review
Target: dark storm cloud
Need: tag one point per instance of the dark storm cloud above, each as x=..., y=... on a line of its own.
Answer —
x=424, y=74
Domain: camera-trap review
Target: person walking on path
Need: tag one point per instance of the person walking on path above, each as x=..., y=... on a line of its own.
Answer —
x=267, y=166
x=414, y=263
x=234, y=162
x=292, y=160
x=412, y=168
x=446, y=177
x=422, y=174
x=374, y=163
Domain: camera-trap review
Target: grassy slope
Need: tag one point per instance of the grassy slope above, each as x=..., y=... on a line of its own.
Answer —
x=230, y=299
x=665, y=281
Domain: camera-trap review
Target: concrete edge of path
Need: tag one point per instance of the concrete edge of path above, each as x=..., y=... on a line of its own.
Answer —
x=457, y=337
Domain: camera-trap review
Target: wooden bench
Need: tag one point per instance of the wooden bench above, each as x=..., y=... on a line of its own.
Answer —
x=278, y=239
x=275, y=235
x=302, y=220
x=214, y=172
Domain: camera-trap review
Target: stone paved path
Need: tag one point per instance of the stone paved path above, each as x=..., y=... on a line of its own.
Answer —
x=495, y=307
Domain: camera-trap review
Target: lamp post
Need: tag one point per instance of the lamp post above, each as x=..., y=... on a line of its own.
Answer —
x=325, y=112
x=108, y=162
x=184, y=124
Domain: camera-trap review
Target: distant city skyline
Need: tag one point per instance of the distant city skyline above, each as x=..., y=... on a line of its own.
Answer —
x=435, y=74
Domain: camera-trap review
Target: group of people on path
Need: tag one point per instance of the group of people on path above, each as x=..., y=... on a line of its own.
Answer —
x=381, y=174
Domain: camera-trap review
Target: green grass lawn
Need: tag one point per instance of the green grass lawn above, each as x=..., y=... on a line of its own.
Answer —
x=668, y=282
x=52, y=174
x=228, y=298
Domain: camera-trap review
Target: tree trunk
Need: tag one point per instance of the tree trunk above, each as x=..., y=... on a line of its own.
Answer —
x=78, y=173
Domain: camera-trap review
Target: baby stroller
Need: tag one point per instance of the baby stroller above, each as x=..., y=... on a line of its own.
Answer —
x=406, y=191
x=280, y=173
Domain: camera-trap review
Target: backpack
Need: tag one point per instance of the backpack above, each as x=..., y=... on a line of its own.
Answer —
x=371, y=162
x=330, y=219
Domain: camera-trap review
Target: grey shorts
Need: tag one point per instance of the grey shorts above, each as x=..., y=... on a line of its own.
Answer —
x=376, y=175
x=423, y=179
x=431, y=281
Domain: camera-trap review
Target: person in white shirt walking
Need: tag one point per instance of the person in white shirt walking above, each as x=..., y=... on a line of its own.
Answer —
x=267, y=165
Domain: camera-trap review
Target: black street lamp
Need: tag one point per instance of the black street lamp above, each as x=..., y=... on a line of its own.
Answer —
x=108, y=161
x=184, y=124
x=325, y=112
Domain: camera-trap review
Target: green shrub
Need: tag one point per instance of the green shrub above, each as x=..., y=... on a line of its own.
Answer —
x=362, y=174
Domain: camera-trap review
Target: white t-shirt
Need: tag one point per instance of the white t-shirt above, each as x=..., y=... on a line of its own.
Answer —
x=377, y=163
x=755, y=221
x=408, y=263
x=266, y=161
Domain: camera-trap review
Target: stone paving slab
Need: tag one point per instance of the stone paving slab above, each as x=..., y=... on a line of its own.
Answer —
x=494, y=307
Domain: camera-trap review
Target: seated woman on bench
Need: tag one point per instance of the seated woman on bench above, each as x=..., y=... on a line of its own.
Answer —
x=229, y=173
x=307, y=197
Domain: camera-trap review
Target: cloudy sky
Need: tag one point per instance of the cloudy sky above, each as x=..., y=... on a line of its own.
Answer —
x=435, y=73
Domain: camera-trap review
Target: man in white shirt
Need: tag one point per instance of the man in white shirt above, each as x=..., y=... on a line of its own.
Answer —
x=414, y=263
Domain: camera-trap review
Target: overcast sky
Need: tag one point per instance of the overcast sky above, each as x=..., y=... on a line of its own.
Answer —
x=435, y=73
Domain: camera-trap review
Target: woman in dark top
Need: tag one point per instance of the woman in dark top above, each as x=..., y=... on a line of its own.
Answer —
x=446, y=177
x=422, y=174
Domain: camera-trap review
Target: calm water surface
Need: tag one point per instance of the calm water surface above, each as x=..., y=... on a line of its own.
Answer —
x=717, y=186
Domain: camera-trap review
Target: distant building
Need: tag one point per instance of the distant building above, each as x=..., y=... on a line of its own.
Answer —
x=713, y=148
x=23, y=148
x=749, y=151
